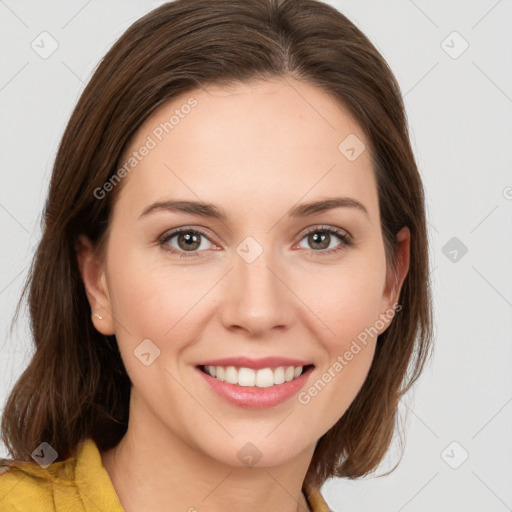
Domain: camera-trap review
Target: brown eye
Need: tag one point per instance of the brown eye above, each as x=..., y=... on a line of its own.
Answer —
x=188, y=241
x=326, y=240
x=183, y=241
x=319, y=241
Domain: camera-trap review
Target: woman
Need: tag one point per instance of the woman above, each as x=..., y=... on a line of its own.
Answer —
x=231, y=291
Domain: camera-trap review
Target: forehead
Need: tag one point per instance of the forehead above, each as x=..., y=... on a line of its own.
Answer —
x=274, y=140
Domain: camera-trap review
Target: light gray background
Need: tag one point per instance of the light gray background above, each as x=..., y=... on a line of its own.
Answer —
x=460, y=115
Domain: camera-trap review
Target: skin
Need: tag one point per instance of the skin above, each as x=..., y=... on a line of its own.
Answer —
x=254, y=150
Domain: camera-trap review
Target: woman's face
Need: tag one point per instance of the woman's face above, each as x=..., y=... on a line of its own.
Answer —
x=255, y=273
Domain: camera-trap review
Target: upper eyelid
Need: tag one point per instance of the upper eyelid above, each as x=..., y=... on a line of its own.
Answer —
x=176, y=231
x=326, y=227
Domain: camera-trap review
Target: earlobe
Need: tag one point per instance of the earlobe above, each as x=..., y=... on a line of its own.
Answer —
x=92, y=270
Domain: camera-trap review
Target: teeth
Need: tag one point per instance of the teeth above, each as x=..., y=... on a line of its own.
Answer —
x=279, y=375
x=247, y=377
x=264, y=378
x=231, y=375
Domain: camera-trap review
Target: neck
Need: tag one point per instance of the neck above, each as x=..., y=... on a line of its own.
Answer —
x=154, y=469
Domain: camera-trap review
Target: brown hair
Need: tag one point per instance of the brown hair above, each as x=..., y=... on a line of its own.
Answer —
x=76, y=385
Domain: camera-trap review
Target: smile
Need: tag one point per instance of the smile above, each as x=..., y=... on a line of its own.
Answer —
x=249, y=377
x=255, y=388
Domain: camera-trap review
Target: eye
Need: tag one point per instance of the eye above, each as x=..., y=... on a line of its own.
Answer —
x=321, y=239
x=186, y=241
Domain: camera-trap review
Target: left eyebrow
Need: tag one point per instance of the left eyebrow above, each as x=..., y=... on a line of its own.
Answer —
x=202, y=209
x=306, y=209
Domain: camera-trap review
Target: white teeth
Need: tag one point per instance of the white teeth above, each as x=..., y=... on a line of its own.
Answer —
x=279, y=375
x=265, y=378
x=219, y=372
x=231, y=375
x=247, y=377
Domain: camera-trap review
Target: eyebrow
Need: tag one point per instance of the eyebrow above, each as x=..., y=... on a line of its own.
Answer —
x=209, y=210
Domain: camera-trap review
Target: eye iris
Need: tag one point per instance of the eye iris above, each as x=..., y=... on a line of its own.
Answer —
x=190, y=241
x=315, y=238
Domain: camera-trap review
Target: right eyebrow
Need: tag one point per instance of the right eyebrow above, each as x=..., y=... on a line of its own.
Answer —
x=193, y=207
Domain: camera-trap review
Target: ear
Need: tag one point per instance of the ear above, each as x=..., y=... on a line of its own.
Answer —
x=92, y=270
x=395, y=277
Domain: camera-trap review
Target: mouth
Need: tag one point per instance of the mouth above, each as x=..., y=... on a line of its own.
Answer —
x=256, y=378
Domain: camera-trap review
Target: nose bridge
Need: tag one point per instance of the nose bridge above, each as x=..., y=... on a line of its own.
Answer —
x=252, y=268
x=257, y=298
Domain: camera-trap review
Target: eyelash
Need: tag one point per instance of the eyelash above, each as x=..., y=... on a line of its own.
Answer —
x=344, y=237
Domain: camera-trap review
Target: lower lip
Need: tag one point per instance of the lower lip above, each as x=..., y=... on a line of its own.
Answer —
x=254, y=397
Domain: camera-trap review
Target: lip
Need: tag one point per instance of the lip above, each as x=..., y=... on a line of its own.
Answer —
x=254, y=397
x=255, y=364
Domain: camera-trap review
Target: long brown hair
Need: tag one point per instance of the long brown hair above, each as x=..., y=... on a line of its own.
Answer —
x=76, y=385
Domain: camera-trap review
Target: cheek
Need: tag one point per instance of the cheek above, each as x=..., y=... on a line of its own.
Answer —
x=152, y=302
x=335, y=386
x=151, y=297
x=349, y=306
x=348, y=357
x=346, y=300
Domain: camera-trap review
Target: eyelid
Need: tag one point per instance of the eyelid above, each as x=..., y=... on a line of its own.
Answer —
x=326, y=227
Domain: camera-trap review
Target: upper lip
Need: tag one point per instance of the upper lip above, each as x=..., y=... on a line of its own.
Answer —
x=256, y=364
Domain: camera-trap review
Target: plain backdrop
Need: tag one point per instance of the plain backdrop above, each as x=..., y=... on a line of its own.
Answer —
x=453, y=62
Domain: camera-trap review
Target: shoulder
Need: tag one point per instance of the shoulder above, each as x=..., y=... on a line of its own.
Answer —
x=28, y=486
x=22, y=489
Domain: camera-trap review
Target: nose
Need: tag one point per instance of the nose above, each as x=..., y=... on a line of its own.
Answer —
x=255, y=296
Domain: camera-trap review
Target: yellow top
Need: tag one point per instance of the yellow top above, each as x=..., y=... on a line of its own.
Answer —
x=77, y=484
